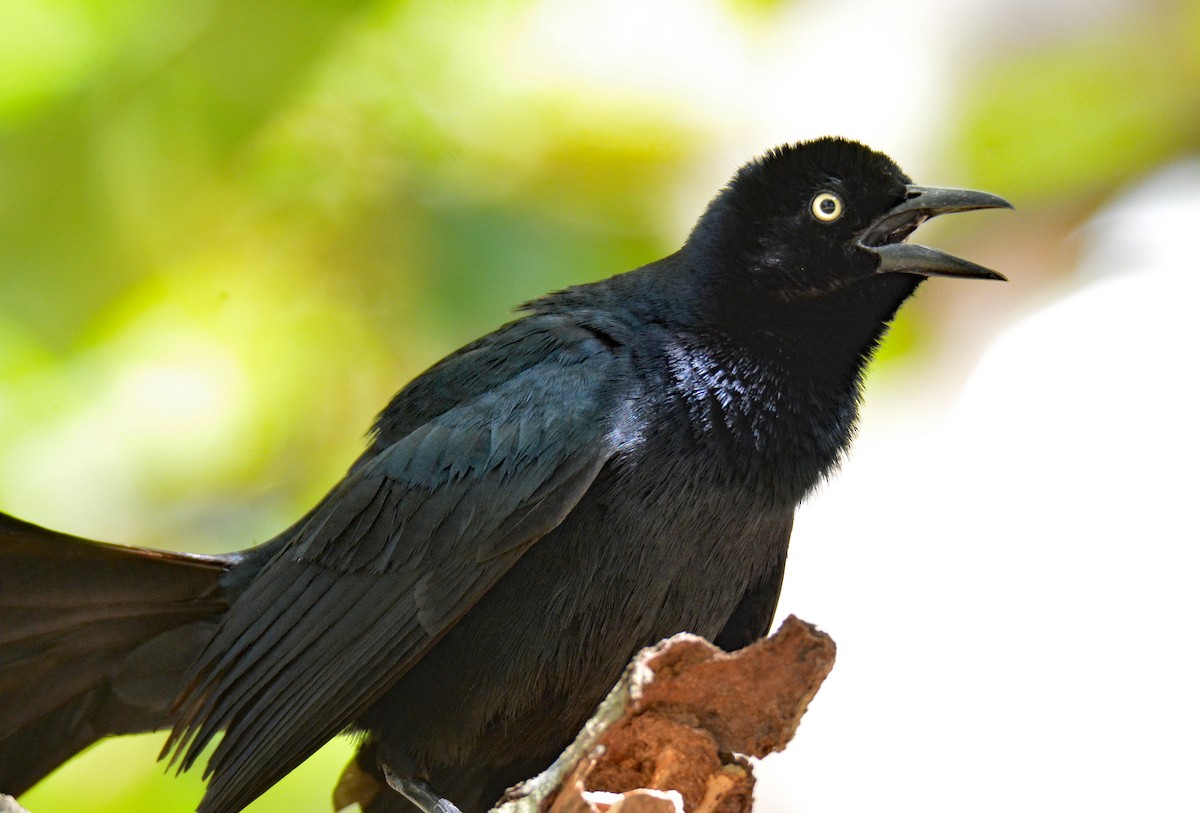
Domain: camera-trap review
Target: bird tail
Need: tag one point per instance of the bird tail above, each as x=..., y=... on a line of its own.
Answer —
x=95, y=640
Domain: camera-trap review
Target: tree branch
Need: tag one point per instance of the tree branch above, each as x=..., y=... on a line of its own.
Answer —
x=670, y=737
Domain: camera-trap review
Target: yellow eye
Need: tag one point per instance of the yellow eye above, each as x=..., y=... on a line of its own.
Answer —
x=827, y=207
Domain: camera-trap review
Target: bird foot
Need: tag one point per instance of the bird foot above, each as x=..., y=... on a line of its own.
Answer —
x=419, y=793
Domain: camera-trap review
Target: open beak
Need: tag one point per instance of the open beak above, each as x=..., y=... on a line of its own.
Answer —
x=884, y=238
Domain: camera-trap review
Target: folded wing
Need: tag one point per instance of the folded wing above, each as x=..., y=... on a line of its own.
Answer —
x=390, y=560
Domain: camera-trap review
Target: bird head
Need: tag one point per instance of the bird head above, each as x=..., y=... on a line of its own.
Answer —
x=812, y=218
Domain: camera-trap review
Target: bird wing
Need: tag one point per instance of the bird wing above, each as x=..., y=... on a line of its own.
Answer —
x=390, y=560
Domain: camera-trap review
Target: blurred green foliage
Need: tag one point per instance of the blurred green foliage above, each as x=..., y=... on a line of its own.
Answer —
x=208, y=209
x=230, y=229
x=1075, y=120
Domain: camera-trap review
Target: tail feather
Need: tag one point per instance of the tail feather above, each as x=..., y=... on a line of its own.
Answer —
x=95, y=640
x=34, y=750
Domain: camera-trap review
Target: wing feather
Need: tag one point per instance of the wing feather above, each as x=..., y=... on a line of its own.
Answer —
x=392, y=558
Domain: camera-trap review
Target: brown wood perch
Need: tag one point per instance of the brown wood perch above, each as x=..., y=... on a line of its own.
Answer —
x=673, y=735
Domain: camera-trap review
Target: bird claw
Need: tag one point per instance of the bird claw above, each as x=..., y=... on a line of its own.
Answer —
x=419, y=793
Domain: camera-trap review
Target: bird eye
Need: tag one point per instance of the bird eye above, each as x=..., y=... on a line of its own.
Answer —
x=827, y=207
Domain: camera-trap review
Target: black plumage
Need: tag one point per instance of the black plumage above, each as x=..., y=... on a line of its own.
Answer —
x=619, y=464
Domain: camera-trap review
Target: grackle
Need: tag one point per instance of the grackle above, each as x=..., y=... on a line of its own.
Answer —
x=618, y=464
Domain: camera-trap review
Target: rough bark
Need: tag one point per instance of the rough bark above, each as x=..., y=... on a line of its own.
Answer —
x=674, y=734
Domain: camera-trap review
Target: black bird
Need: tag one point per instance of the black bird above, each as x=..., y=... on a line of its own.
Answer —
x=619, y=464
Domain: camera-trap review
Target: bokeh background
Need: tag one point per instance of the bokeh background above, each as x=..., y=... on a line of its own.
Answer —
x=231, y=229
